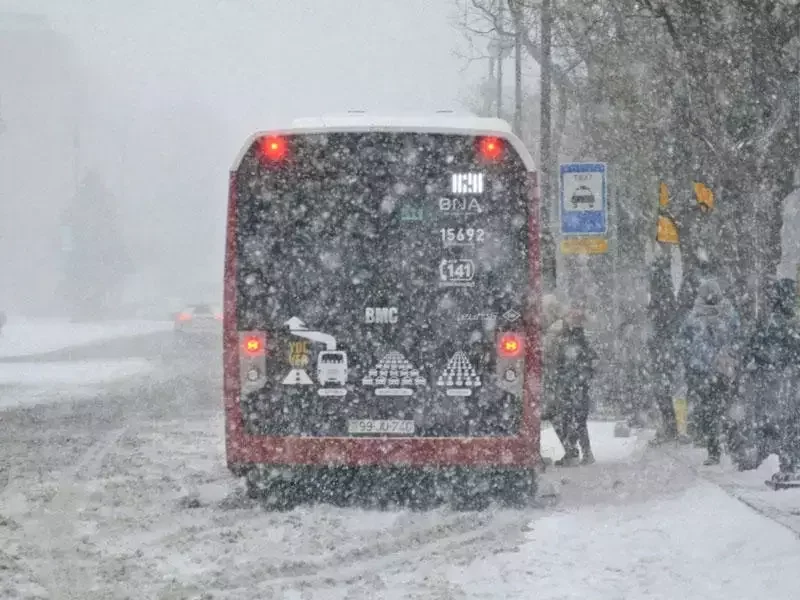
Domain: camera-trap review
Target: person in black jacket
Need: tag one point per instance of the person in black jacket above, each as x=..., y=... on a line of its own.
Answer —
x=769, y=392
x=574, y=371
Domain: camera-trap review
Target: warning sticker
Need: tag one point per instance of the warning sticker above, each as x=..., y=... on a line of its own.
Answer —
x=459, y=376
x=393, y=375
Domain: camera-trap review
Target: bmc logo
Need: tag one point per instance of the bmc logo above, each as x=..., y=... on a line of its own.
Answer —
x=462, y=205
x=380, y=315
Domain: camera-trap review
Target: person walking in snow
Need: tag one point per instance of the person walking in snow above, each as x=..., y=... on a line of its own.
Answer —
x=552, y=395
x=574, y=369
x=768, y=369
x=709, y=346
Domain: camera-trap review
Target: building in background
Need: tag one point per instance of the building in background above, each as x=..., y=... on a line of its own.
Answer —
x=40, y=100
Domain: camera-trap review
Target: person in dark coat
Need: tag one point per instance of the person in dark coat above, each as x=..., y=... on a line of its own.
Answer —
x=574, y=365
x=552, y=396
x=709, y=338
x=768, y=367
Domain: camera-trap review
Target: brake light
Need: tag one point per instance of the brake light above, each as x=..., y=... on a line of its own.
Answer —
x=184, y=317
x=490, y=148
x=253, y=344
x=509, y=345
x=273, y=147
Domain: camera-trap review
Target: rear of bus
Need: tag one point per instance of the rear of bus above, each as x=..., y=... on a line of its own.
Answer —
x=381, y=310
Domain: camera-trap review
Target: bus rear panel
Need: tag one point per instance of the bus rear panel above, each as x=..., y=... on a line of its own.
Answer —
x=381, y=296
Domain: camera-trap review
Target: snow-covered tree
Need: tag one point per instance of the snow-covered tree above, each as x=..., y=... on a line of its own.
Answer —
x=678, y=91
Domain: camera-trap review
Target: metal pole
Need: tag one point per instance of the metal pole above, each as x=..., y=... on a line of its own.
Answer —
x=797, y=172
x=517, y=78
x=487, y=96
x=500, y=17
x=546, y=167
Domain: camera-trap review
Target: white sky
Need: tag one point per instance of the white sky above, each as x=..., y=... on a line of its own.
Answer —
x=175, y=87
x=259, y=62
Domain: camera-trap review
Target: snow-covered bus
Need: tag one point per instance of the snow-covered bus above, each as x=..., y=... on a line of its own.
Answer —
x=407, y=248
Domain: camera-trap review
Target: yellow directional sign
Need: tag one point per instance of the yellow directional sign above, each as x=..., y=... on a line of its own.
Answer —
x=584, y=245
x=667, y=231
x=704, y=195
x=663, y=194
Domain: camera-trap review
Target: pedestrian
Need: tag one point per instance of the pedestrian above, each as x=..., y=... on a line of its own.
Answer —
x=574, y=369
x=768, y=374
x=552, y=326
x=709, y=337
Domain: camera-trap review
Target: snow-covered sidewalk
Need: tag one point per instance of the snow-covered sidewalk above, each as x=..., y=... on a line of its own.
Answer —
x=700, y=545
x=749, y=487
x=27, y=337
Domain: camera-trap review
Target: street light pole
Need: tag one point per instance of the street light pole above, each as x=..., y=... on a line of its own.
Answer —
x=546, y=167
x=517, y=77
x=500, y=17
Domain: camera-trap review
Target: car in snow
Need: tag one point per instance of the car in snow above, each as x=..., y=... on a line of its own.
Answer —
x=199, y=319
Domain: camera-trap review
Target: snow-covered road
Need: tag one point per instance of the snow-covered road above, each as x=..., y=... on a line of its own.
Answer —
x=26, y=337
x=127, y=496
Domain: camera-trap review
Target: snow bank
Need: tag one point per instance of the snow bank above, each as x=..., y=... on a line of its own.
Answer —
x=25, y=337
x=37, y=383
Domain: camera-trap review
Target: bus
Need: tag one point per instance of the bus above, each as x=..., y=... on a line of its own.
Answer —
x=401, y=256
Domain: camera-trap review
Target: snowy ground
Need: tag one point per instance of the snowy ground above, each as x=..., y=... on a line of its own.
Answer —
x=25, y=337
x=147, y=510
x=748, y=486
x=31, y=383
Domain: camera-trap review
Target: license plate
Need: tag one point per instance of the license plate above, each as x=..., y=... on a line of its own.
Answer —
x=373, y=427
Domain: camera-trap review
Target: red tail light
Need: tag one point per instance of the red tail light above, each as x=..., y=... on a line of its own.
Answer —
x=490, y=148
x=184, y=317
x=273, y=147
x=509, y=345
x=253, y=344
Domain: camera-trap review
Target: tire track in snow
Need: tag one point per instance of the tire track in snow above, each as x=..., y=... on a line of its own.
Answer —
x=52, y=526
x=463, y=535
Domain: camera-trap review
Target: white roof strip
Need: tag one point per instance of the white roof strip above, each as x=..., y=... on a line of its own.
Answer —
x=452, y=123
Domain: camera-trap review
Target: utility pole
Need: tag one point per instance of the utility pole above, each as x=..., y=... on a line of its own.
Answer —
x=500, y=18
x=517, y=76
x=546, y=167
x=797, y=66
x=487, y=94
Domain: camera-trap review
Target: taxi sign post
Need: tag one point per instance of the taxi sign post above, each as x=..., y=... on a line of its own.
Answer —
x=583, y=208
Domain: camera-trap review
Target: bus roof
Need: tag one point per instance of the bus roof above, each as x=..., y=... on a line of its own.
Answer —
x=451, y=123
